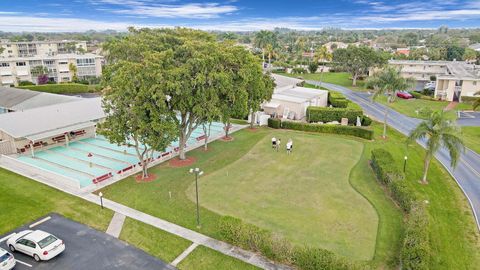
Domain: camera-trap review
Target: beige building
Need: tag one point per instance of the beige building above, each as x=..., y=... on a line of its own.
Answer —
x=40, y=48
x=290, y=100
x=454, y=79
x=16, y=69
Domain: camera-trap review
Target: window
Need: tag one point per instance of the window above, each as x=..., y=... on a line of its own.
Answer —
x=9, y=45
x=474, y=82
x=10, y=51
x=49, y=62
x=21, y=64
x=4, y=64
x=47, y=241
x=62, y=62
x=30, y=244
x=86, y=62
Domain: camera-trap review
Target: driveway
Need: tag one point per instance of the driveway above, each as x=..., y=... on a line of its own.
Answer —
x=467, y=172
x=86, y=248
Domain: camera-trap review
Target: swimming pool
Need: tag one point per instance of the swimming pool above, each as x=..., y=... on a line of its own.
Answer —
x=92, y=160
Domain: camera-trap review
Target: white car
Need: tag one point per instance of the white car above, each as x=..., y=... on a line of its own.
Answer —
x=7, y=261
x=41, y=245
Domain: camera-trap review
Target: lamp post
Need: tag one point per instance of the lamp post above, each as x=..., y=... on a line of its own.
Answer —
x=197, y=173
x=101, y=199
x=404, y=163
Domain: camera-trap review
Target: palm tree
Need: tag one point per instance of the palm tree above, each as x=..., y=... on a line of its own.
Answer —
x=387, y=82
x=439, y=131
x=264, y=38
x=476, y=103
x=324, y=55
x=271, y=52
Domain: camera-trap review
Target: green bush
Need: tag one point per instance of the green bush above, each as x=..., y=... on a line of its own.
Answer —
x=337, y=99
x=333, y=129
x=251, y=237
x=416, y=94
x=470, y=100
x=274, y=123
x=384, y=166
x=67, y=88
x=415, y=253
x=322, y=114
x=24, y=83
x=365, y=120
x=298, y=70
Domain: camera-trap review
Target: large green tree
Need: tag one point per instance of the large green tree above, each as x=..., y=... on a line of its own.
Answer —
x=357, y=60
x=137, y=110
x=264, y=38
x=387, y=82
x=439, y=131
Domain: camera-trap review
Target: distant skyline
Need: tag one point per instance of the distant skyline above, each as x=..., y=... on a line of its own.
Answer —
x=235, y=15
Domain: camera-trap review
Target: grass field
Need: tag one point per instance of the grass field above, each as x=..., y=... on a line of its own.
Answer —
x=414, y=107
x=340, y=78
x=316, y=198
x=203, y=258
x=471, y=137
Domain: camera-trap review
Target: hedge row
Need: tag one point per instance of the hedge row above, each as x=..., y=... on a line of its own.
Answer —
x=67, y=88
x=421, y=96
x=337, y=99
x=333, y=129
x=274, y=247
x=415, y=253
x=325, y=114
x=470, y=100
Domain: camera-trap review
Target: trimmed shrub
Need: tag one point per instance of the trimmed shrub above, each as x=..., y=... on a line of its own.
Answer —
x=67, y=88
x=298, y=70
x=337, y=99
x=322, y=114
x=384, y=166
x=416, y=249
x=470, y=100
x=24, y=83
x=274, y=123
x=416, y=94
x=277, y=248
x=365, y=120
x=333, y=129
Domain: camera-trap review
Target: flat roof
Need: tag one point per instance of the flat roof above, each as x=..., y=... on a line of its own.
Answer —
x=284, y=81
x=23, y=99
x=53, y=118
x=52, y=57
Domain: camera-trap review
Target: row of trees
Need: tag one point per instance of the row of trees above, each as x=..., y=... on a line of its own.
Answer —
x=161, y=84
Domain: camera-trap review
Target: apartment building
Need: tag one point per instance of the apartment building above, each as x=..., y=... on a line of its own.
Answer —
x=40, y=48
x=16, y=69
x=454, y=79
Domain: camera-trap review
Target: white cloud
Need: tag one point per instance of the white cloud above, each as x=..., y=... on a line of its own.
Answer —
x=194, y=10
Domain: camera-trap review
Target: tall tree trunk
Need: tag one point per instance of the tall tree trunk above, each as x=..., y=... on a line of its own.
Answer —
x=181, y=145
x=207, y=135
x=354, y=79
x=227, y=129
x=385, y=118
x=263, y=57
x=144, y=169
x=252, y=120
x=426, y=165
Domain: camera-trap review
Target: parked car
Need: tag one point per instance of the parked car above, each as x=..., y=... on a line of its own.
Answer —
x=7, y=261
x=42, y=246
x=430, y=85
x=404, y=95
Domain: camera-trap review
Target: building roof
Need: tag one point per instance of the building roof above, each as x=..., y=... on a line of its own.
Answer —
x=299, y=94
x=475, y=46
x=53, y=119
x=284, y=82
x=458, y=70
x=22, y=99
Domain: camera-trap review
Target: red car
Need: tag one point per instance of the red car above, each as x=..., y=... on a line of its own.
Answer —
x=404, y=95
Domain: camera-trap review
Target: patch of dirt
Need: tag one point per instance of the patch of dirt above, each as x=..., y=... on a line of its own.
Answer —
x=150, y=178
x=227, y=139
x=177, y=163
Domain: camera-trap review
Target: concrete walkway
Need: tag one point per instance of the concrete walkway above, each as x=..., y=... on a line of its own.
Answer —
x=116, y=225
x=184, y=254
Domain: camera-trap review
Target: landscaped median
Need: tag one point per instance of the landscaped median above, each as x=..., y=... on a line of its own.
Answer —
x=62, y=88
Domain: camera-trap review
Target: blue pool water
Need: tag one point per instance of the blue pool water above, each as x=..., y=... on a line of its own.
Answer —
x=91, y=158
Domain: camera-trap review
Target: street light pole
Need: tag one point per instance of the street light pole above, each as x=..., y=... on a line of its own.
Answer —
x=405, y=163
x=197, y=173
x=101, y=199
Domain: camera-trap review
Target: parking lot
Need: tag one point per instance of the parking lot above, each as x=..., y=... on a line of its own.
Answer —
x=86, y=249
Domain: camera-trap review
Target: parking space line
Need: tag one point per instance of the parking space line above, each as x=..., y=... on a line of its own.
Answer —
x=40, y=222
x=6, y=237
x=24, y=263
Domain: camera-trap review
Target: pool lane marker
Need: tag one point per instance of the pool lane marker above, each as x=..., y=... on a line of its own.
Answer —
x=40, y=222
x=24, y=263
x=6, y=237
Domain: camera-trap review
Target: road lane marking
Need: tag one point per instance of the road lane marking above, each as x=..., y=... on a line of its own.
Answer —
x=6, y=237
x=40, y=222
x=24, y=263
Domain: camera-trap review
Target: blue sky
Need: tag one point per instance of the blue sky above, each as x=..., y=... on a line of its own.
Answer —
x=235, y=15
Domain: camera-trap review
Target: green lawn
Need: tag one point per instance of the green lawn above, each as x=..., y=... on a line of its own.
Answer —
x=278, y=192
x=63, y=88
x=23, y=200
x=340, y=78
x=203, y=258
x=471, y=137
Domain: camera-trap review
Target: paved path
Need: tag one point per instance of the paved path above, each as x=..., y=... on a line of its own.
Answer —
x=184, y=254
x=116, y=225
x=467, y=172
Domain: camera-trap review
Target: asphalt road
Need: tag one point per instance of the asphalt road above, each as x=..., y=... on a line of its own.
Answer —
x=469, y=119
x=467, y=172
x=86, y=249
